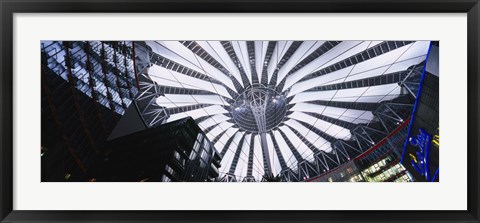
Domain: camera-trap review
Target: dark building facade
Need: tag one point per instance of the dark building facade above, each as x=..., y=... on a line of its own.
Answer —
x=176, y=151
x=86, y=88
x=421, y=154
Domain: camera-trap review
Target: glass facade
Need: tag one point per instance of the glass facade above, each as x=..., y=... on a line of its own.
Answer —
x=86, y=87
x=100, y=70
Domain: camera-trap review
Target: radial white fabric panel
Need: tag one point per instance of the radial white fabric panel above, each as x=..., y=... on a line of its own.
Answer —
x=316, y=92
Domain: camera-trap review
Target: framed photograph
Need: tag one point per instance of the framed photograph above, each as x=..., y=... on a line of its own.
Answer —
x=201, y=111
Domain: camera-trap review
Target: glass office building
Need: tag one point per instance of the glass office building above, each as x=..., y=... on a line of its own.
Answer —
x=86, y=88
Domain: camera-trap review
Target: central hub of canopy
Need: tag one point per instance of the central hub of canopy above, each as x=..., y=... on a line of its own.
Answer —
x=259, y=109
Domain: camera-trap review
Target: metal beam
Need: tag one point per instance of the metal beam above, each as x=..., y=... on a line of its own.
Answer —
x=306, y=170
x=412, y=81
x=288, y=175
x=391, y=115
x=367, y=137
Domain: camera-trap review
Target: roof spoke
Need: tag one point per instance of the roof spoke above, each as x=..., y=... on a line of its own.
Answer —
x=286, y=56
x=319, y=132
x=215, y=140
x=231, y=52
x=251, y=57
x=199, y=51
x=250, y=156
x=304, y=140
x=238, y=151
x=268, y=56
x=283, y=164
x=359, y=57
x=181, y=109
x=314, y=55
x=384, y=79
x=365, y=106
x=227, y=145
x=334, y=121
x=174, y=66
x=292, y=148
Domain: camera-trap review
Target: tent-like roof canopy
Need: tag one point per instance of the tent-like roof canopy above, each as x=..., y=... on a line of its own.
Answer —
x=270, y=105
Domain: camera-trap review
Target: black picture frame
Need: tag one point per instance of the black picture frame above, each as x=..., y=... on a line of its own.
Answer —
x=9, y=7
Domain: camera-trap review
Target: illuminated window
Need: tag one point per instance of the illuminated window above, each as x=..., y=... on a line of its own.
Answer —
x=177, y=155
x=350, y=170
x=196, y=146
x=166, y=179
x=169, y=169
